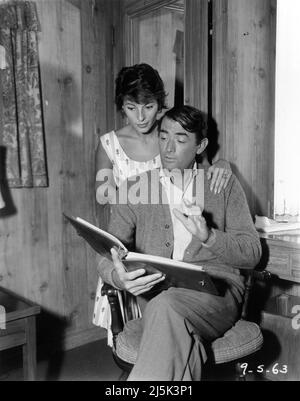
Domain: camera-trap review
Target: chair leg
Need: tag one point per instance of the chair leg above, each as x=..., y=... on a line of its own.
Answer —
x=123, y=377
x=239, y=372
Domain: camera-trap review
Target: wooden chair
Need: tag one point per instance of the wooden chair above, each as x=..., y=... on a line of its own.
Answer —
x=243, y=339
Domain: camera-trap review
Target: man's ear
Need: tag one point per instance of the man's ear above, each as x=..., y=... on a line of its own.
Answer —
x=202, y=146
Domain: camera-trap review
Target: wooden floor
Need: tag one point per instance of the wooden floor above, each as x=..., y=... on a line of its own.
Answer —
x=91, y=362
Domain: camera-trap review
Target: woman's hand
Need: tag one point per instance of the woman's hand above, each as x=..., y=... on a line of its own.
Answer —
x=132, y=281
x=193, y=221
x=219, y=173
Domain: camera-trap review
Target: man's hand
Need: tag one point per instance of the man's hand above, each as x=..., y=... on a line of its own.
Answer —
x=193, y=221
x=132, y=281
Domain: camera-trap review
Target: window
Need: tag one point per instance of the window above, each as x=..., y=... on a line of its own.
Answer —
x=287, y=112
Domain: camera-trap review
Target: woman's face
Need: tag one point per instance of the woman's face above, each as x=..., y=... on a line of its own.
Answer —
x=141, y=116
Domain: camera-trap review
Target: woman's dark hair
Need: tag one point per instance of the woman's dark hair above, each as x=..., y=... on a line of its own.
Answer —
x=140, y=83
x=190, y=118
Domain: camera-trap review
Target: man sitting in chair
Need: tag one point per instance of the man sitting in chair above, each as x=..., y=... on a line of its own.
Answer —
x=188, y=223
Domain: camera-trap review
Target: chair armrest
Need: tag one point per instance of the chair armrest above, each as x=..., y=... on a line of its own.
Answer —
x=251, y=276
x=108, y=289
x=263, y=275
x=117, y=323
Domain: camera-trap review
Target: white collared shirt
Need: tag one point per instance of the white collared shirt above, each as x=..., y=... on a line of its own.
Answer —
x=176, y=194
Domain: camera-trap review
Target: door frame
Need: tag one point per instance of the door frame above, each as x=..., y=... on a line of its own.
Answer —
x=137, y=9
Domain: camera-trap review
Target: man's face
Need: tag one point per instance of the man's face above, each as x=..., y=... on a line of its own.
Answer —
x=178, y=147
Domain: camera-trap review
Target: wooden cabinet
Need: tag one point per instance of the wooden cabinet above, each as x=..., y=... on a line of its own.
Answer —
x=283, y=254
x=280, y=318
x=281, y=347
x=20, y=329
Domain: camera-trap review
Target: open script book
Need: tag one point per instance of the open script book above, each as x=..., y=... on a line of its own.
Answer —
x=183, y=274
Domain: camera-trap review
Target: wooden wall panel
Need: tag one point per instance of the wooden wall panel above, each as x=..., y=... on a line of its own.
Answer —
x=119, y=40
x=73, y=191
x=66, y=165
x=41, y=257
x=53, y=67
x=98, y=109
x=243, y=93
x=196, y=54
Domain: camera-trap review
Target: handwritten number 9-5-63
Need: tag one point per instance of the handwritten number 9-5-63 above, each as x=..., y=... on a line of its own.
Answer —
x=275, y=369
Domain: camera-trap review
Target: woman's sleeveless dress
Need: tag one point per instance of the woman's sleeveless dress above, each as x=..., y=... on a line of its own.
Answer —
x=123, y=168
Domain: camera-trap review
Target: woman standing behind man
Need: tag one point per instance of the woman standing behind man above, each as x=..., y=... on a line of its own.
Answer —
x=140, y=96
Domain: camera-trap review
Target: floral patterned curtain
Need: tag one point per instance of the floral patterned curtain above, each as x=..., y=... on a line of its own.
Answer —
x=22, y=125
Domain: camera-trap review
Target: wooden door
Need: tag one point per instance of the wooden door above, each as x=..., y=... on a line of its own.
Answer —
x=154, y=34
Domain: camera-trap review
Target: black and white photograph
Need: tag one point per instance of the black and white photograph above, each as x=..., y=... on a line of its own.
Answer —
x=149, y=193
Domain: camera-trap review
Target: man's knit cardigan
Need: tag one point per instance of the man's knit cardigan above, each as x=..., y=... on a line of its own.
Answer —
x=147, y=228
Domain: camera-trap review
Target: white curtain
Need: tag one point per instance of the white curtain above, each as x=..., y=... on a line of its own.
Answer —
x=287, y=125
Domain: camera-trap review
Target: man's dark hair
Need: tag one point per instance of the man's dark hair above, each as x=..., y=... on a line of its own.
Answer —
x=140, y=83
x=190, y=118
